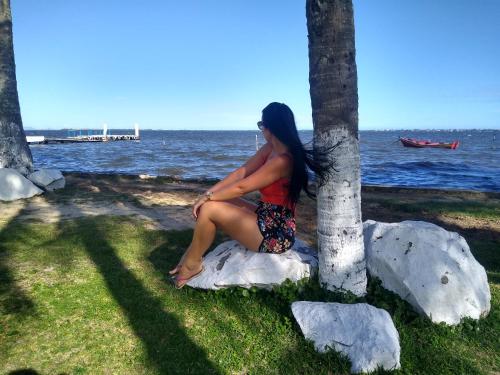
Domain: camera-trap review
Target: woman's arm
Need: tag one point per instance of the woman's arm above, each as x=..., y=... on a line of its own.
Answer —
x=271, y=171
x=252, y=164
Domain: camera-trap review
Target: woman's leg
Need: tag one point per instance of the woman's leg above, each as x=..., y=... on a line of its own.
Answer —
x=238, y=202
x=243, y=203
x=239, y=223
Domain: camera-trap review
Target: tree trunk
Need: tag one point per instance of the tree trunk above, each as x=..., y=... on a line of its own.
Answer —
x=334, y=100
x=14, y=150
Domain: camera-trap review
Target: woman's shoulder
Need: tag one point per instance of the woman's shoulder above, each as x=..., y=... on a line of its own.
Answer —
x=285, y=158
x=265, y=151
x=266, y=147
x=284, y=162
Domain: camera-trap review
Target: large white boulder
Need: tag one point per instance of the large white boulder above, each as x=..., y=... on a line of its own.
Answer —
x=230, y=264
x=13, y=185
x=429, y=267
x=364, y=333
x=57, y=184
x=48, y=178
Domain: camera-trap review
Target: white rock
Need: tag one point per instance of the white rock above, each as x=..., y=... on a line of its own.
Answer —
x=230, y=264
x=45, y=177
x=57, y=184
x=13, y=185
x=429, y=267
x=364, y=333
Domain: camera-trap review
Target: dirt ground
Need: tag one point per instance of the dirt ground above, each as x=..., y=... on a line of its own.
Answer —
x=165, y=203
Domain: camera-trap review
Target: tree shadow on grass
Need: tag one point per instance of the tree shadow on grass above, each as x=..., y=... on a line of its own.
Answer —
x=302, y=359
x=24, y=371
x=165, y=257
x=15, y=304
x=168, y=347
x=13, y=300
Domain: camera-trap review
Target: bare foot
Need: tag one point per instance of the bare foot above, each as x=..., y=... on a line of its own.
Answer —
x=179, y=265
x=185, y=274
x=175, y=270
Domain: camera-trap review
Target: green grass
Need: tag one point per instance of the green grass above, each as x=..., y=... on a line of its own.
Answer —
x=91, y=296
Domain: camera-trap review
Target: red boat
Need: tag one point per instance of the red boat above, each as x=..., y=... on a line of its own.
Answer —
x=409, y=142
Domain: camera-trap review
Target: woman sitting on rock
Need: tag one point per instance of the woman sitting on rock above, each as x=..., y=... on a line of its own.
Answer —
x=278, y=170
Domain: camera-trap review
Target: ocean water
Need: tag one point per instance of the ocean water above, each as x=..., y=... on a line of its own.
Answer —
x=475, y=165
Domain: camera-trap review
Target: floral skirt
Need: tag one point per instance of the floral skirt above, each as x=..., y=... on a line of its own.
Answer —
x=277, y=225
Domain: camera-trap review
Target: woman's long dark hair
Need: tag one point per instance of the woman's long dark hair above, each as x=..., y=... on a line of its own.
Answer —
x=278, y=118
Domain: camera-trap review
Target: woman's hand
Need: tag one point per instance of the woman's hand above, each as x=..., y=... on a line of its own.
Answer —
x=197, y=205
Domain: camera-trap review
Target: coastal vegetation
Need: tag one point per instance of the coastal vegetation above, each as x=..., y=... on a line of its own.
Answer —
x=89, y=294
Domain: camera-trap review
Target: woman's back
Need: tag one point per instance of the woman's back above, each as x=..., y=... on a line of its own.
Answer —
x=278, y=191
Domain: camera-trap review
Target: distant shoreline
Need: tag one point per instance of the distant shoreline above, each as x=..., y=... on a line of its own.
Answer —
x=256, y=130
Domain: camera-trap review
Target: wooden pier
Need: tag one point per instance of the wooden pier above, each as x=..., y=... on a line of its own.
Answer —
x=79, y=136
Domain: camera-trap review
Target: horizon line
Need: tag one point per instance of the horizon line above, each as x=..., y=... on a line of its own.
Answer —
x=257, y=130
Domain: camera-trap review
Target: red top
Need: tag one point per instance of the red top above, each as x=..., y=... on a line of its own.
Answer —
x=277, y=193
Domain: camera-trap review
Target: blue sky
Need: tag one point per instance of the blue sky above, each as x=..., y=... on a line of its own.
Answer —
x=214, y=64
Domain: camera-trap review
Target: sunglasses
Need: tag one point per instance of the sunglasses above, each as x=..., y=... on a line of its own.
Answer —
x=261, y=125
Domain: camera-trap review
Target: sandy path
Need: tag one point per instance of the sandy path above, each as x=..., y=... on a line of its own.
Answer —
x=169, y=207
x=38, y=209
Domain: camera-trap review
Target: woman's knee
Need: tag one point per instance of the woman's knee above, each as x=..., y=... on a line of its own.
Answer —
x=208, y=208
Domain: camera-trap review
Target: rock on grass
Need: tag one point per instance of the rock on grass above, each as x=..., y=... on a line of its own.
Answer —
x=230, y=265
x=364, y=333
x=431, y=268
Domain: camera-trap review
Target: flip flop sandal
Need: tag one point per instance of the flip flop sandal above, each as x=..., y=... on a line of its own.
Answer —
x=177, y=268
x=176, y=280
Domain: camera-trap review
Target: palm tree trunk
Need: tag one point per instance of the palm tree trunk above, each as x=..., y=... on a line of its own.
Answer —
x=14, y=150
x=334, y=100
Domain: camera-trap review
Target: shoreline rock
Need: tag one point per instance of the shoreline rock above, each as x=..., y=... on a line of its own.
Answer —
x=13, y=186
x=431, y=268
x=48, y=179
